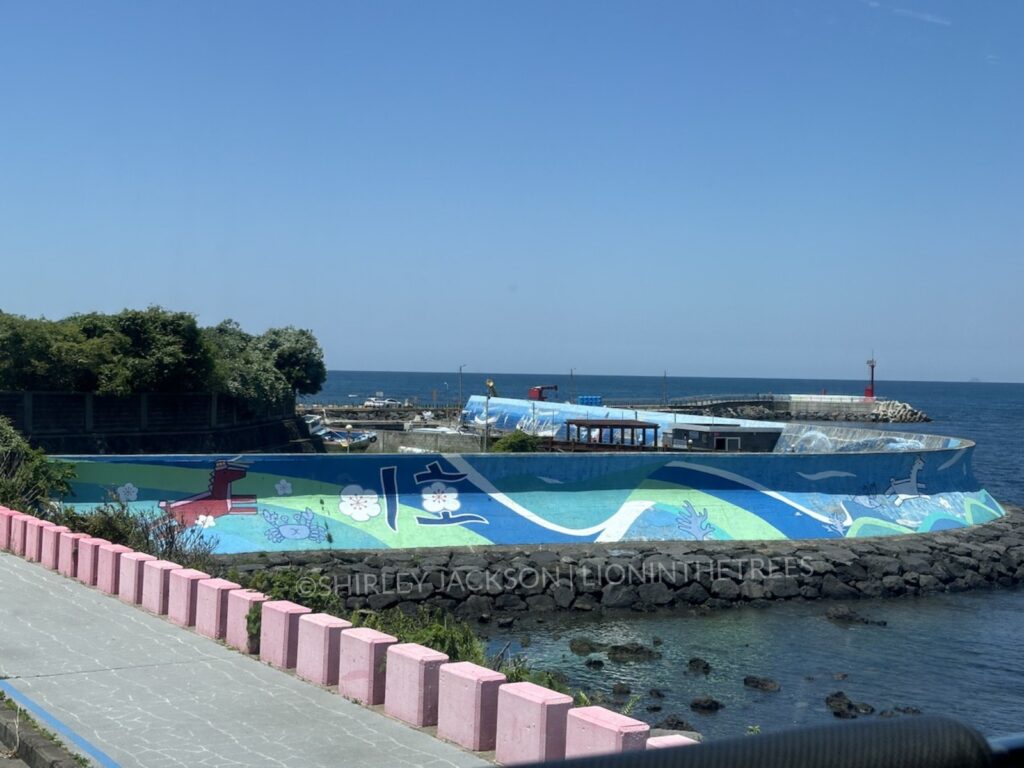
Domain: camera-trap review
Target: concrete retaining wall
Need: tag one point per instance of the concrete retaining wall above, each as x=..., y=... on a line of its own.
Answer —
x=393, y=441
x=859, y=484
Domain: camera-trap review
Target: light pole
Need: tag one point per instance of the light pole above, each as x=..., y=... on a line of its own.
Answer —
x=487, y=420
x=572, y=386
x=460, y=393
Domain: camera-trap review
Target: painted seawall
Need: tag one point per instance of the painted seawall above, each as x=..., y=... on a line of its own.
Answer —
x=650, y=576
x=289, y=502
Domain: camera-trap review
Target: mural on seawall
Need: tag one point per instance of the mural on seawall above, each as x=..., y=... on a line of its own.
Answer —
x=288, y=502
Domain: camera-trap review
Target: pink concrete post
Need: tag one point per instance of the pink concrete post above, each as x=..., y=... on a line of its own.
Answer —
x=34, y=538
x=319, y=645
x=279, y=632
x=363, y=655
x=531, y=724
x=669, y=741
x=236, y=633
x=156, y=585
x=129, y=579
x=19, y=527
x=467, y=705
x=212, y=607
x=108, y=567
x=599, y=731
x=67, y=553
x=182, y=595
x=411, y=683
x=89, y=560
x=50, y=549
x=5, y=526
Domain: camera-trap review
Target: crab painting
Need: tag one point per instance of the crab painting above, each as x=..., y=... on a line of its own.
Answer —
x=301, y=526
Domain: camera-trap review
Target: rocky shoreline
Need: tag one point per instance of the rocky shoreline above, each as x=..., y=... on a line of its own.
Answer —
x=488, y=583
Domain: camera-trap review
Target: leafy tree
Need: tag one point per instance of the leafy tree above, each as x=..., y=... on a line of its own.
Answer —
x=298, y=356
x=241, y=369
x=160, y=351
x=156, y=350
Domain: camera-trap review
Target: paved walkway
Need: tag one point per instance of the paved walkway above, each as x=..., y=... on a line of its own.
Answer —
x=144, y=692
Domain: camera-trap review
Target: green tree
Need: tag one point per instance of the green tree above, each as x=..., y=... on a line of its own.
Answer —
x=241, y=369
x=156, y=350
x=297, y=355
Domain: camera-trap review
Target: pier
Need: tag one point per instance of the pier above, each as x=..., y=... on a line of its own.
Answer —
x=787, y=407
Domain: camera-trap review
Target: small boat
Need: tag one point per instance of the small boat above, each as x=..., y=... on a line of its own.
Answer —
x=348, y=440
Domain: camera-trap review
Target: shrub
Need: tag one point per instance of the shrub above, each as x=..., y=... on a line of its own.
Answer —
x=431, y=628
x=148, y=531
x=424, y=626
x=516, y=442
x=28, y=479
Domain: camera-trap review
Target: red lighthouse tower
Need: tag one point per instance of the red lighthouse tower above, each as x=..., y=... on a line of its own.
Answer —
x=869, y=391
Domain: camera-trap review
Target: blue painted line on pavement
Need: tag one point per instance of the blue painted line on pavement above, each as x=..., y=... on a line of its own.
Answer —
x=55, y=725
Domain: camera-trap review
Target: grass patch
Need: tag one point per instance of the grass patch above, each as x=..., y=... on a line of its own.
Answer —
x=31, y=725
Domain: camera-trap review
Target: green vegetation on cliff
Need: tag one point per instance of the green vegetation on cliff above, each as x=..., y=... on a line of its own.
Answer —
x=156, y=350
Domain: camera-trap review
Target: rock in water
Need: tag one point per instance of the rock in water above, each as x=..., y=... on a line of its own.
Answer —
x=839, y=704
x=706, y=705
x=698, y=666
x=583, y=646
x=843, y=614
x=632, y=652
x=761, y=683
x=674, y=723
x=621, y=689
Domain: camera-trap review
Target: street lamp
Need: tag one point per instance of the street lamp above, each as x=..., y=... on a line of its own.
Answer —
x=486, y=415
x=460, y=393
x=572, y=385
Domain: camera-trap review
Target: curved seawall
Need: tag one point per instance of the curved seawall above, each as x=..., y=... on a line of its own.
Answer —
x=263, y=502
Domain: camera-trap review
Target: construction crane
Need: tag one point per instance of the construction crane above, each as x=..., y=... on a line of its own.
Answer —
x=537, y=393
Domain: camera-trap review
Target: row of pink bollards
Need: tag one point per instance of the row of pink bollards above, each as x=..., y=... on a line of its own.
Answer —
x=472, y=706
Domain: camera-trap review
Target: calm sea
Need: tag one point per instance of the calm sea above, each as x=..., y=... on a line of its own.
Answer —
x=959, y=655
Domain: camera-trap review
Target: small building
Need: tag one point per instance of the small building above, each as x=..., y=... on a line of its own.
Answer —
x=610, y=434
x=723, y=437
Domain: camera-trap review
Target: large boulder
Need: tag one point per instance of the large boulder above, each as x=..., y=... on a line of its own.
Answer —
x=762, y=684
x=632, y=652
x=706, y=705
x=618, y=596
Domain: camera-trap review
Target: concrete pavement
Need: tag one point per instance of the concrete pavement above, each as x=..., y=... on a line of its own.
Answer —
x=143, y=692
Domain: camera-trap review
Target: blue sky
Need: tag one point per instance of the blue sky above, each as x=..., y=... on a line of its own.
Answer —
x=716, y=188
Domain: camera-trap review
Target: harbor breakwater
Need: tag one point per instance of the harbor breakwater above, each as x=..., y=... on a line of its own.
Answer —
x=492, y=582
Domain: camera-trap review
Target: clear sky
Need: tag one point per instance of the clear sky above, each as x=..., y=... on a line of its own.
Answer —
x=717, y=188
